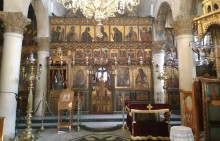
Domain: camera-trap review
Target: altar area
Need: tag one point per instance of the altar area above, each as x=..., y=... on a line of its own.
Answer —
x=99, y=72
x=100, y=82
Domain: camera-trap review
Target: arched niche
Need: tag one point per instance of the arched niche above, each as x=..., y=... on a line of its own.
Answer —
x=101, y=89
x=103, y=74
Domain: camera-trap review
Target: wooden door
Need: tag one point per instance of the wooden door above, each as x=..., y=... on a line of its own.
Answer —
x=102, y=99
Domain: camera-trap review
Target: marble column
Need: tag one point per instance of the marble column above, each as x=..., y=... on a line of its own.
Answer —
x=183, y=28
x=158, y=59
x=41, y=83
x=14, y=24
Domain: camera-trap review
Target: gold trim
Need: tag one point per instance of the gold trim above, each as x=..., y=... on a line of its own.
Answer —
x=149, y=137
x=202, y=23
x=149, y=111
x=110, y=21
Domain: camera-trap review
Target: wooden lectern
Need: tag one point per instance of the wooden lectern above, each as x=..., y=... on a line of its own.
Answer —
x=65, y=104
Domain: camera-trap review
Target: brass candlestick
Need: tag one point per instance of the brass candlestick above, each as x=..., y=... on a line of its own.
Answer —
x=123, y=111
x=78, y=110
x=30, y=76
x=164, y=76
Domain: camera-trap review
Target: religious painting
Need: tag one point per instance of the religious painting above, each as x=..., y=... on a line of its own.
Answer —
x=120, y=99
x=142, y=77
x=131, y=53
x=213, y=91
x=72, y=33
x=58, y=79
x=139, y=53
x=30, y=33
x=105, y=53
x=145, y=33
x=114, y=53
x=79, y=77
x=117, y=33
x=147, y=53
x=88, y=53
x=87, y=34
x=123, y=78
x=142, y=95
x=131, y=33
x=96, y=53
x=102, y=33
x=57, y=33
x=122, y=53
x=169, y=37
x=79, y=54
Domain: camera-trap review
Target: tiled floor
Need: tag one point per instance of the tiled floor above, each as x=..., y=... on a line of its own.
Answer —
x=65, y=135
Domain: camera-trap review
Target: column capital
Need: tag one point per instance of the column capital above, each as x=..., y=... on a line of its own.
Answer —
x=183, y=25
x=14, y=21
x=43, y=43
x=158, y=46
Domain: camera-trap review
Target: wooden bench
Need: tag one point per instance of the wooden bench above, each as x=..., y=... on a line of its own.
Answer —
x=1, y=128
x=144, y=121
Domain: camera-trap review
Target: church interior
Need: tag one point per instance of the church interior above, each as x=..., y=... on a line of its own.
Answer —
x=134, y=64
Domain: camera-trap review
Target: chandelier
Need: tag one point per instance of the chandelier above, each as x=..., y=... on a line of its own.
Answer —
x=100, y=9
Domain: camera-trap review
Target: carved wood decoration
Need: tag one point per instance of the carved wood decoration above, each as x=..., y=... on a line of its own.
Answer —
x=126, y=43
x=102, y=99
x=211, y=17
x=203, y=23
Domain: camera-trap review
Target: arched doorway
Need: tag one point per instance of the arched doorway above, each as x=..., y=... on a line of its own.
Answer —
x=101, y=90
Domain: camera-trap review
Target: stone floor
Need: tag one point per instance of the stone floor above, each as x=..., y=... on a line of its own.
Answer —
x=81, y=135
x=107, y=125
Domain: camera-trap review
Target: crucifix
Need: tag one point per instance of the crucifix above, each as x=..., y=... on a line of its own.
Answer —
x=149, y=107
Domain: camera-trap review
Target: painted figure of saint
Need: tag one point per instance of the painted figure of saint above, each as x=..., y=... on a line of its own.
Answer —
x=141, y=79
x=71, y=35
x=132, y=35
x=86, y=37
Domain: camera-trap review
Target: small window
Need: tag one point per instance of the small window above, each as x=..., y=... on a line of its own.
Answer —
x=215, y=7
x=209, y=9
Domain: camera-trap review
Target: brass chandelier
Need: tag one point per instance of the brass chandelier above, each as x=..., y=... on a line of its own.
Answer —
x=100, y=9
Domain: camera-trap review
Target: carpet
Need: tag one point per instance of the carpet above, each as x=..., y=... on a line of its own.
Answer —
x=101, y=137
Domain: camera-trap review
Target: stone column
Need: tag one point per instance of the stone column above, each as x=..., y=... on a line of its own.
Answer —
x=41, y=83
x=158, y=58
x=183, y=28
x=14, y=24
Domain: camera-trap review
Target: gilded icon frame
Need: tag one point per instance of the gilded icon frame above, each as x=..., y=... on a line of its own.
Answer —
x=79, y=78
x=79, y=54
x=143, y=77
x=123, y=77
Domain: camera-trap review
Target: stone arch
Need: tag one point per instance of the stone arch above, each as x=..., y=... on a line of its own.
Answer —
x=42, y=18
x=164, y=18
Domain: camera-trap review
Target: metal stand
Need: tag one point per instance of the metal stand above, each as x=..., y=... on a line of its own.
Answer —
x=27, y=133
x=78, y=110
x=164, y=76
x=42, y=115
x=123, y=111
